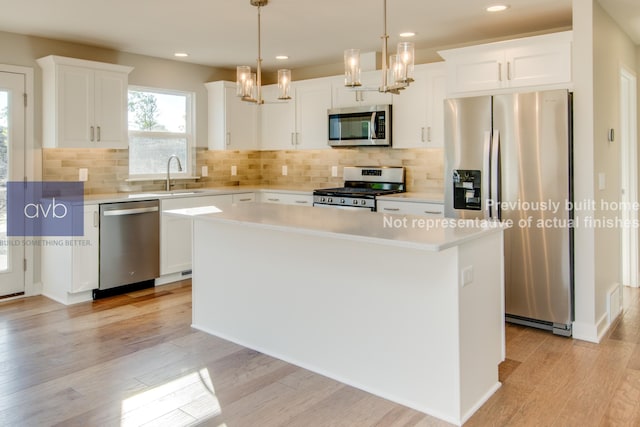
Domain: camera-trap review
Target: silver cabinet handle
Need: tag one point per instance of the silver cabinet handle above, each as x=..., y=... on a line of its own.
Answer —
x=92, y=135
x=499, y=71
x=99, y=137
x=273, y=200
x=95, y=219
x=301, y=201
x=228, y=142
x=120, y=212
x=508, y=70
x=429, y=133
x=422, y=134
x=433, y=212
x=391, y=209
x=248, y=199
x=293, y=138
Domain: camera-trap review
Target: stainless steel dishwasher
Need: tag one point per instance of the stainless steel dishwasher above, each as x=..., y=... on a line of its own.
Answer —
x=129, y=245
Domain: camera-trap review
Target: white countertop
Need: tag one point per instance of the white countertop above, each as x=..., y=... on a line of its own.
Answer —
x=432, y=234
x=212, y=191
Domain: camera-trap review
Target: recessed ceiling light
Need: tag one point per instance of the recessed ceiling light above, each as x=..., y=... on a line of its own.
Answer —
x=497, y=8
x=282, y=57
x=180, y=54
x=407, y=34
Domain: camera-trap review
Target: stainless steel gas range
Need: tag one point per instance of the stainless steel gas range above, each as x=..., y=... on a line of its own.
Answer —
x=362, y=185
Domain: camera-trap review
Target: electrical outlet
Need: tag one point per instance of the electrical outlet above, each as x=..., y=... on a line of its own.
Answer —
x=284, y=170
x=205, y=171
x=83, y=174
x=234, y=170
x=334, y=171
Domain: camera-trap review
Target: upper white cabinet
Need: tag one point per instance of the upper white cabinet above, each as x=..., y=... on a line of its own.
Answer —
x=532, y=61
x=367, y=94
x=418, y=111
x=233, y=123
x=300, y=123
x=84, y=103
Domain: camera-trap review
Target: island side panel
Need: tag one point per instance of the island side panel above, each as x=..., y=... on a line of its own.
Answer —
x=381, y=318
x=482, y=345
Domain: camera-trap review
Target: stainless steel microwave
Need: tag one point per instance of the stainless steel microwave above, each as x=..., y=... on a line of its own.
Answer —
x=368, y=125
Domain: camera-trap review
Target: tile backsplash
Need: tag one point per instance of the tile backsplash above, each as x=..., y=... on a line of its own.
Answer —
x=108, y=168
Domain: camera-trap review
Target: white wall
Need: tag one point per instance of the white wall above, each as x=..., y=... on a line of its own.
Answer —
x=600, y=49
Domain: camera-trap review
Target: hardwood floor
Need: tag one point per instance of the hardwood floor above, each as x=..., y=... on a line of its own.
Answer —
x=134, y=360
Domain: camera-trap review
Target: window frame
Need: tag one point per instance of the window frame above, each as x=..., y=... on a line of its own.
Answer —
x=189, y=134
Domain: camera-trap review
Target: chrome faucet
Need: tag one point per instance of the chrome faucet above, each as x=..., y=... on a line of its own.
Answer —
x=168, y=170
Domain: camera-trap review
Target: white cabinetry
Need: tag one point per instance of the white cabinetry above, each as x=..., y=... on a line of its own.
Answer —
x=300, y=123
x=70, y=264
x=287, y=198
x=526, y=62
x=233, y=123
x=418, y=111
x=175, y=232
x=84, y=103
x=367, y=94
x=435, y=210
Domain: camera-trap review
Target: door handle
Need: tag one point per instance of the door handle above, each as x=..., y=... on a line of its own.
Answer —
x=495, y=175
x=486, y=175
x=98, y=130
x=92, y=134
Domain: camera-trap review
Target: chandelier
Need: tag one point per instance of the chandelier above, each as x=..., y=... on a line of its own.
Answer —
x=249, y=84
x=397, y=74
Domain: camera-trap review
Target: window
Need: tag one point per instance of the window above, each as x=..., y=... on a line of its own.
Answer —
x=160, y=125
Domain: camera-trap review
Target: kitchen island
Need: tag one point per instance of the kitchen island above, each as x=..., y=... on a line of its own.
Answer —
x=408, y=309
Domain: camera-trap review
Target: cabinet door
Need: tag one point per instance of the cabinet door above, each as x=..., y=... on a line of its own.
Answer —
x=312, y=100
x=418, y=111
x=241, y=120
x=411, y=208
x=84, y=254
x=539, y=64
x=176, y=232
x=409, y=113
x=75, y=107
x=368, y=95
x=277, y=122
x=436, y=79
x=476, y=71
x=110, y=117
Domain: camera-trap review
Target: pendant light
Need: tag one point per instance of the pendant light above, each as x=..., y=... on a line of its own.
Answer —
x=396, y=76
x=249, y=84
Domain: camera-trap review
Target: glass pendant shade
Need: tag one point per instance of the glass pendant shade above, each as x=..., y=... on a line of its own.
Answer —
x=284, y=84
x=406, y=57
x=243, y=73
x=352, y=67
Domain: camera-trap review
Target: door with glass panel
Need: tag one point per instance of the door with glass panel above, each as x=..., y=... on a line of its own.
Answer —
x=12, y=144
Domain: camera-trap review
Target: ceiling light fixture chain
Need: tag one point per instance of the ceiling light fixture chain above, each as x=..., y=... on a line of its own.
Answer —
x=248, y=84
x=398, y=69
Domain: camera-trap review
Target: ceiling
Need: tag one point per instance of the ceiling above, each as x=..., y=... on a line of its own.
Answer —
x=223, y=33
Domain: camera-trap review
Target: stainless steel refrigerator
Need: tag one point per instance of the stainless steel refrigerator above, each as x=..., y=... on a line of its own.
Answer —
x=509, y=158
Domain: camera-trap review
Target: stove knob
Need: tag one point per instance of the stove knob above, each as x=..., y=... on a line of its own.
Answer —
x=342, y=201
x=322, y=199
x=329, y=199
x=363, y=202
x=355, y=202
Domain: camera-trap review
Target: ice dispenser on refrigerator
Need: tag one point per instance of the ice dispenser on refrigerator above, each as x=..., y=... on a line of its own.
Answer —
x=466, y=189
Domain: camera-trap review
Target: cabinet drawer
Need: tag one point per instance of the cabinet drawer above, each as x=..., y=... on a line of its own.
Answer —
x=193, y=202
x=287, y=198
x=411, y=208
x=243, y=198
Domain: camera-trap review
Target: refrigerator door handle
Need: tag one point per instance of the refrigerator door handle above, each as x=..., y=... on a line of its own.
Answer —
x=486, y=175
x=495, y=175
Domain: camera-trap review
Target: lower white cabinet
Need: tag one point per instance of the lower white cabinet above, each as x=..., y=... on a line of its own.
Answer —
x=287, y=198
x=70, y=264
x=175, y=232
x=435, y=210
